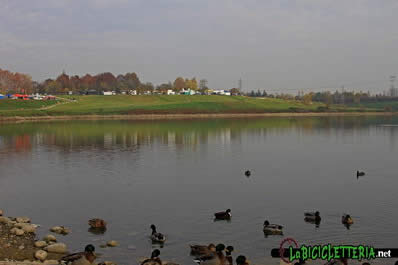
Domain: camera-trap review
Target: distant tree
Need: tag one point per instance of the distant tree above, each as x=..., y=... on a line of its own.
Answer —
x=203, y=84
x=264, y=93
x=307, y=98
x=15, y=82
x=179, y=84
x=63, y=81
x=132, y=81
x=75, y=83
x=53, y=87
x=194, y=84
x=105, y=81
x=88, y=82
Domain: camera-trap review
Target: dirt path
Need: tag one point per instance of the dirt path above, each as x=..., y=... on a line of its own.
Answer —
x=64, y=101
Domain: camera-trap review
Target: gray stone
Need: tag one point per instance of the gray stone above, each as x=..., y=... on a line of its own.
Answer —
x=59, y=248
x=4, y=220
x=41, y=255
x=60, y=230
x=22, y=219
x=17, y=231
x=28, y=228
x=40, y=244
x=50, y=238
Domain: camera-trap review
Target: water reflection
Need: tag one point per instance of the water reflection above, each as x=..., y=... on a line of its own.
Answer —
x=180, y=136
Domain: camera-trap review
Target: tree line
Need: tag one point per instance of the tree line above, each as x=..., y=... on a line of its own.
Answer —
x=15, y=82
x=64, y=83
x=327, y=97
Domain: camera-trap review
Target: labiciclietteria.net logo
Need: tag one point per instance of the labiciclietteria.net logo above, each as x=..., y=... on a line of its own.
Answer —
x=329, y=252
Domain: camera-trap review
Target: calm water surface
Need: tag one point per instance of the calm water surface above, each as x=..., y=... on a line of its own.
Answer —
x=176, y=174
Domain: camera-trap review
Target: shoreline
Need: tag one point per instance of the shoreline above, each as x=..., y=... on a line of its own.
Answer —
x=188, y=116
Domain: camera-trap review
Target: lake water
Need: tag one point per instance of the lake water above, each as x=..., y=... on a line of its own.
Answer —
x=176, y=174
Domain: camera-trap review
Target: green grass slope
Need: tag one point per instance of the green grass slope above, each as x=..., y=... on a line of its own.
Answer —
x=161, y=104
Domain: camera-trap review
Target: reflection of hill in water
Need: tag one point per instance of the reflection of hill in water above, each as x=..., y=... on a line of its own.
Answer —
x=181, y=135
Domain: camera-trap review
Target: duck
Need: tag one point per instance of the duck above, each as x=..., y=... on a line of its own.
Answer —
x=346, y=219
x=247, y=173
x=157, y=237
x=228, y=255
x=217, y=258
x=312, y=216
x=223, y=215
x=97, y=223
x=153, y=260
x=199, y=250
x=241, y=260
x=272, y=229
x=360, y=173
x=86, y=257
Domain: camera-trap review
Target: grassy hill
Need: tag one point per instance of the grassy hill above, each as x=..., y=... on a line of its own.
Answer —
x=160, y=104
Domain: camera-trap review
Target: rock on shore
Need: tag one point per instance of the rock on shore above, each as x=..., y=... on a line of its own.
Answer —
x=41, y=255
x=58, y=248
x=60, y=230
x=19, y=245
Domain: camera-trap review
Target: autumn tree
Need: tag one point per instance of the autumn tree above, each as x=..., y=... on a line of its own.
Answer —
x=63, y=81
x=132, y=80
x=194, y=84
x=15, y=82
x=307, y=98
x=75, y=83
x=105, y=81
x=88, y=82
x=179, y=84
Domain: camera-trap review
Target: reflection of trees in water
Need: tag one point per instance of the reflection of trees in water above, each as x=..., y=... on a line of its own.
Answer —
x=179, y=135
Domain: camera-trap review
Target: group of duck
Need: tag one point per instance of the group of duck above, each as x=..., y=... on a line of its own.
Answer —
x=315, y=217
x=276, y=229
x=204, y=254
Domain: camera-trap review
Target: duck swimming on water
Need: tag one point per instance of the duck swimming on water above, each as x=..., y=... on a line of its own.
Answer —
x=346, y=219
x=81, y=258
x=312, y=216
x=157, y=237
x=228, y=255
x=153, y=260
x=217, y=258
x=198, y=250
x=360, y=173
x=272, y=229
x=241, y=260
x=223, y=215
x=97, y=223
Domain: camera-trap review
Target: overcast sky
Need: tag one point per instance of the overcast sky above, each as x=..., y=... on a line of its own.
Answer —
x=268, y=43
